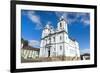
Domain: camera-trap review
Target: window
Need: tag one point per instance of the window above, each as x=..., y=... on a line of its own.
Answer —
x=46, y=40
x=60, y=25
x=54, y=49
x=49, y=39
x=54, y=39
x=60, y=48
x=60, y=37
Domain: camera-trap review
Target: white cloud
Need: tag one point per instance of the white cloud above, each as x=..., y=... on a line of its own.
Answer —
x=34, y=18
x=84, y=18
x=34, y=43
x=58, y=14
x=48, y=23
x=66, y=16
x=85, y=22
x=82, y=51
x=77, y=17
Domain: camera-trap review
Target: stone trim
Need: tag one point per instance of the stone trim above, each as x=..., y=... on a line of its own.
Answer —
x=53, y=34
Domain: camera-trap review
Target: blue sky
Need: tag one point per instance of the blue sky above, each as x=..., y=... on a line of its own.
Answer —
x=33, y=22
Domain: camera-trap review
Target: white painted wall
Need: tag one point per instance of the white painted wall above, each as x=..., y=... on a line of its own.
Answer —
x=58, y=41
x=5, y=41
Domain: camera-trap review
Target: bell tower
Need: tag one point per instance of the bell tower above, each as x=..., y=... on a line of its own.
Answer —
x=62, y=24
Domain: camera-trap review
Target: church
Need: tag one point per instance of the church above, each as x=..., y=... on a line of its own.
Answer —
x=57, y=42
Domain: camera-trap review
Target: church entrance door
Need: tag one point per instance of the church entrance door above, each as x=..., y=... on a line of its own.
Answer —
x=48, y=52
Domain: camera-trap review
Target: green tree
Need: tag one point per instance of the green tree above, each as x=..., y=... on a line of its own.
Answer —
x=25, y=42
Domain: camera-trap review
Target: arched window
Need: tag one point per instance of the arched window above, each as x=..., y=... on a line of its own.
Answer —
x=54, y=49
x=60, y=48
x=60, y=25
x=60, y=38
x=54, y=39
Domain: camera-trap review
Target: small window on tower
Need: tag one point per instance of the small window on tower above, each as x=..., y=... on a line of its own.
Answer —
x=60, y=25
x=54, y=39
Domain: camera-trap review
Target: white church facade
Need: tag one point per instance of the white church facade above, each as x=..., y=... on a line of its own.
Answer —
x=56, y=42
